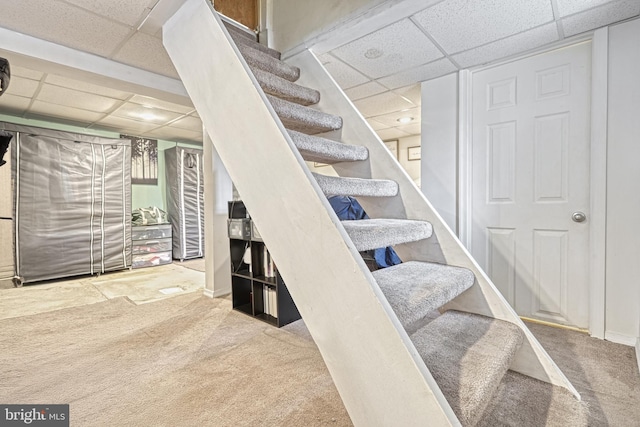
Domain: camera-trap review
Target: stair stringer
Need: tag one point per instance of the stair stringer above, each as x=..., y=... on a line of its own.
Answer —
x=443, y=247
x=378, y=372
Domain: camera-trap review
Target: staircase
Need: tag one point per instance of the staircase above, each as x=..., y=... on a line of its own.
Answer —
x=394, y=359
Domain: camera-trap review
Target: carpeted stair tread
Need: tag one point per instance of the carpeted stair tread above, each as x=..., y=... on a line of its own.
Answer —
x=323, y=150
x=522, y=401
x=414, y=289
x=284, y=89
x=369, y=234
x=238, y=31
x=468, y=355
x=304, y=119
x=342, y=186
x=260, y=60
x=240, y=39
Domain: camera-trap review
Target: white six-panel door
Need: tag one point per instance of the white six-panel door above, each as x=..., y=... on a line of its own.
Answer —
x=530, y=182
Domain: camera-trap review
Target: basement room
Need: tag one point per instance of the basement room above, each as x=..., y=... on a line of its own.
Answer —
x=301, y=213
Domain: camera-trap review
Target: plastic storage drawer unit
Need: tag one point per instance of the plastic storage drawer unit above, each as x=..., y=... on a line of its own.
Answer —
x=150, y=232
x=152, y=245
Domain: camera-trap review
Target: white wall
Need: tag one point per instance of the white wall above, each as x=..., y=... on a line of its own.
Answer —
x=440, y=146
x=218, y=191
x=294, y=21
x=638, y=347
x=411, y=166
x=623, y=185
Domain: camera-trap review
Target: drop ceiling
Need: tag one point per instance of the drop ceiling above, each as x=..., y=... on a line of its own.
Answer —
x=380, y=60
x=101, y=65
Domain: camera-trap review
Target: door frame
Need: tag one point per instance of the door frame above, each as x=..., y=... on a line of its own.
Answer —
x=598, y=164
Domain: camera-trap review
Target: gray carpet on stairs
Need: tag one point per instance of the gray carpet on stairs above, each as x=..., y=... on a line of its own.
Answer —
x=285, y=89
x=304, y=119
x=237, y=31
x=468, y=355
x=318, y=149
x=239, y=39
x=414, y=289
x=522, y=401
x=342, y=186
x=262, y=61
x=369, y=234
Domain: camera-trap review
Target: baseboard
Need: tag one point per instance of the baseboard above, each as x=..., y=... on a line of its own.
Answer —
x=638, y=352
x=620, y=338
x=216, y=294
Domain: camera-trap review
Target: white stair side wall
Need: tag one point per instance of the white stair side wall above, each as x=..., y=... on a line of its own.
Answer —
x=483, y=298
x=379, y=374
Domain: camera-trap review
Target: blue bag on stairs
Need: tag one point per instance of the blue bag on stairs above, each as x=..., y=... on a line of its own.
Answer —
x=348, y=208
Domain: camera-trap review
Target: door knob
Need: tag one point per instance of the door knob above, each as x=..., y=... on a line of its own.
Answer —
x=578, y=216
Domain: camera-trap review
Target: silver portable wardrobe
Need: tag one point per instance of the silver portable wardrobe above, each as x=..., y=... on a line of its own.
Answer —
x=72, y=210
x=185, y=200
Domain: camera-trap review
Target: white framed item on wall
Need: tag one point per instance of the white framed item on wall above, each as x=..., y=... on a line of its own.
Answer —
x=414, y=153
x=392, y=146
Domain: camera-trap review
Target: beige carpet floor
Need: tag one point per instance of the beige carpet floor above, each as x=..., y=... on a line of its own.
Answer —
x=191, y=361
x=139, y=286
x=182, y=361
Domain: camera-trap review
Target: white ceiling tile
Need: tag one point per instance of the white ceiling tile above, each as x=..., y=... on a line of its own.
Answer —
x=86, y=87
x=569, y=7
x=459, y=25
x=174, y=134
x=601, y=16
x=391, y=119
x=11, y=104
x=64, y=112
x=22, y=87
x=72, y=98
x=391, y=133
x=376, y=125
x=364, y=90
x=381, y=104
x=413, y=93
x=344, y=75
x=146, y=52
x=135, y=127
x=189, y=123
x=325, y=57
x=152, y=115
x=129, y=12
x=413, y=129
x=163, y=105
x=419, y=74
x=64, y=24
x=394, y=48
x=502, y=48
x=26, y=73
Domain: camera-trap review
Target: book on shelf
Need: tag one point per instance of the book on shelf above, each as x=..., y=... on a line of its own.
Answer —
x=268, y=267
x=270, y=301
x=265, y=299
x=273, y=300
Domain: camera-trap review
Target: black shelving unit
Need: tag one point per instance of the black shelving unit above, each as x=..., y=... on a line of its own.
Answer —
x=262, y=296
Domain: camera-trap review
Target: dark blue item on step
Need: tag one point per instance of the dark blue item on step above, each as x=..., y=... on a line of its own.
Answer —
x=348, y=208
